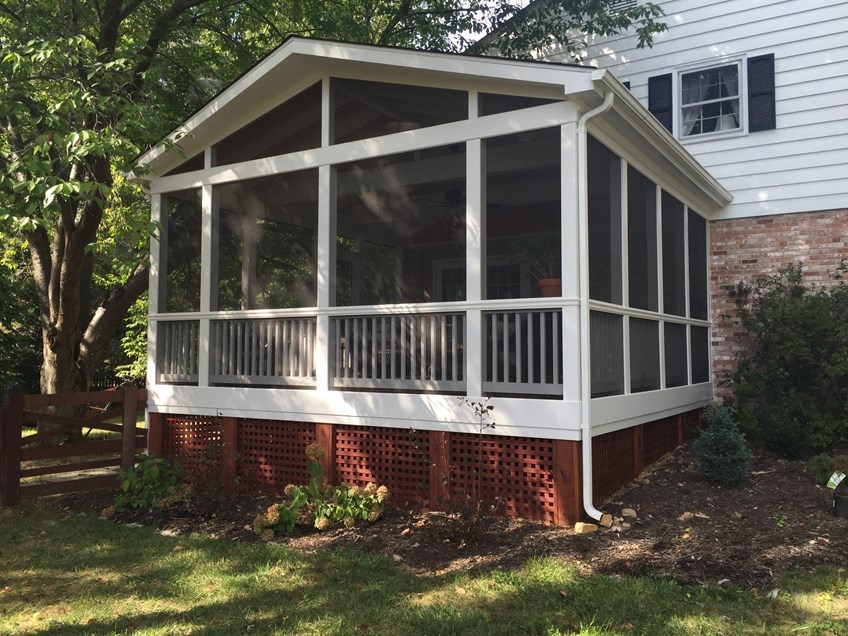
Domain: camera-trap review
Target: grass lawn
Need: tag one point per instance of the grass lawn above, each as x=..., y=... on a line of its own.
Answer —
x=78, y=574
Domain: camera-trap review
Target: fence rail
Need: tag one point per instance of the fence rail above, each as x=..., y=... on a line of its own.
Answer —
x=15, y=450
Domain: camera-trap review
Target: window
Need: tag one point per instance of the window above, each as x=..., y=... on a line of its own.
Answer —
x=716, y=99
x=709, y=100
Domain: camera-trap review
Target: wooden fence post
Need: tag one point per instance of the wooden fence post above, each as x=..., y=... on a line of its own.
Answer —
x=130, y=394
x=228, y=452
x=439, y=468
x=10, y=458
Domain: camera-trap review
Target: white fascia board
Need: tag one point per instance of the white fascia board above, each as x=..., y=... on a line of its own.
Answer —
x=321, y=56
x=663, y=141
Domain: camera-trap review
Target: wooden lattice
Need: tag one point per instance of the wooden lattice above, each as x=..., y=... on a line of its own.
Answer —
x=515, y=473
x=398, y=458
x=613, y=463
x=660, y=437
x=271, y=454
x=193, y=441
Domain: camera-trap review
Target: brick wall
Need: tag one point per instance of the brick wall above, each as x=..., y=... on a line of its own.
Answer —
x=742, y=250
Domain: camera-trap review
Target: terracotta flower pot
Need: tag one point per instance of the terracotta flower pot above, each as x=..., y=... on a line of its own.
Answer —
x=550, y=287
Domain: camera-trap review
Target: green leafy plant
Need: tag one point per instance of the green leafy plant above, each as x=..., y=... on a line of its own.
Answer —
x=823, y=466
x=321, y=505
x=154, y=481
x=722, y=452
x=790, y=384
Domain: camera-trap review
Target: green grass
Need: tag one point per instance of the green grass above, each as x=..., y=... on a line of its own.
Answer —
x=78, y=574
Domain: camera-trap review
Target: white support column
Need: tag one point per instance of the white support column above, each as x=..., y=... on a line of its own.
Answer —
x=325, y=275
x=207, y=205
x=660, y=299
x=686, y=295
x=570, y=246
x=625, y=273
x=326, y=113
x=475, y=259
x=158, y=257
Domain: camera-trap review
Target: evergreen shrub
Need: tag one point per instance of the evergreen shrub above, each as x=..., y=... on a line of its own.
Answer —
x=722, y=452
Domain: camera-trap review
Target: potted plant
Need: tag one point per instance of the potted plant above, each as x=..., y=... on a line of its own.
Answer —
x=541, y=255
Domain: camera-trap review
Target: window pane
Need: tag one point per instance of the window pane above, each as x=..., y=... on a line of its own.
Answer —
x=710, y=100
x=181, y=252
x=403, y=219
x=642, y=240
x=644, y=355
x=292, y=126
x=372, y=109
x=700, y=354
x=491, y=103
x=676, y=372
x=606, y=350
x=697, y=266
x=604, y=223
x=674, y=267
x=189, y=165
x=266, y=237
x=523, y=245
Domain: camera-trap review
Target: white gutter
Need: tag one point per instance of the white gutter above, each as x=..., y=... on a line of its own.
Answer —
x=583, y=233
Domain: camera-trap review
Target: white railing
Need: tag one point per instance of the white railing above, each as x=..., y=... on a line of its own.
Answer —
x=523, y=352
x=176, y=359
x=273, y=351
x=416, y=352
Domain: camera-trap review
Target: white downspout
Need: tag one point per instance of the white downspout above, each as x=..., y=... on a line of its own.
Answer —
x=583, y=234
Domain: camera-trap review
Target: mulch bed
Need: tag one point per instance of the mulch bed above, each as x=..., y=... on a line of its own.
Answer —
x=778, y=520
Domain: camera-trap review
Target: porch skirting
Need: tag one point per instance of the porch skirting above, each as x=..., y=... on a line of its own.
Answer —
x=529, y=478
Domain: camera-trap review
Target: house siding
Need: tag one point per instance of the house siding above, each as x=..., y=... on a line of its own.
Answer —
x=801, y=165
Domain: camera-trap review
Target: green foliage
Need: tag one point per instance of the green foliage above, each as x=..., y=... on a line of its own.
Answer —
x=722, y=452
x=154, y=481
x=791, y=386
x=321, y=505
x=823, y=466
x=20, y=333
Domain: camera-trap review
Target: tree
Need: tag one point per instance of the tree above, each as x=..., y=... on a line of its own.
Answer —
x=87, y=84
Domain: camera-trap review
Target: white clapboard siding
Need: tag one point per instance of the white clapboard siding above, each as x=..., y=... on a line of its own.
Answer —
x=803, y=164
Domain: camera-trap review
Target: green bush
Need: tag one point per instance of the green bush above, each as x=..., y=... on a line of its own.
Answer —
x=722, y=452
x=791, y=385
x=825, y=465
x=153, y=481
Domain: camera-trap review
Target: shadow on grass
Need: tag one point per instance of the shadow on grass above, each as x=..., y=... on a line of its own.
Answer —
x=83, y=575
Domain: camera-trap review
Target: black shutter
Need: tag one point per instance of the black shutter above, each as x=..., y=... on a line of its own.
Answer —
x=660, y=99
x=761, y=115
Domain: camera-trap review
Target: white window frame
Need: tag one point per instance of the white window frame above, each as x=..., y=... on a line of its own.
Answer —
x=742, y=75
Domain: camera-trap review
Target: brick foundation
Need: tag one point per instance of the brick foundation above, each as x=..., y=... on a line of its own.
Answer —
x=533, y=478
x=742, y=250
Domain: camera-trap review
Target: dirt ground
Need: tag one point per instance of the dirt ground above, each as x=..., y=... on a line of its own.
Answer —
x=685, y=529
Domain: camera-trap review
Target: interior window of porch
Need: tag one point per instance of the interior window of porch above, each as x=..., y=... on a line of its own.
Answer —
x=523, y=211
x=400, y=221
x=604, y=170
x=266, y=242
x=180, y=253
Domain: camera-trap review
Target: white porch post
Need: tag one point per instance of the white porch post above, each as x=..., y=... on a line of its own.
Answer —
x=570, y=247
x=207, y=257
x=324, y=275
x=475, y=267
x=156, y=281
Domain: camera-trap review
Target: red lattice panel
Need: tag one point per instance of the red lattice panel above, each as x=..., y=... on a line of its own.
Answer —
x=517, y=470
x=398, y=458
x=193, y=441
x=613, y=463
x=272, y=454
x=659, y=438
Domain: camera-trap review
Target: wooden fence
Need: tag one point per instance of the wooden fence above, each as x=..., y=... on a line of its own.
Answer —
x=101, y=407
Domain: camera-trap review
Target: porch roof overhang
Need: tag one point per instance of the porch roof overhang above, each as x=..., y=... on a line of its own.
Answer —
x=299, y=60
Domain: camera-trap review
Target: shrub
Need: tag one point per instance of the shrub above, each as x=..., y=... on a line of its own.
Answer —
x=791, y=385
x=153, y=481
x=722, y=452
x=825, y=465
x=321, y=505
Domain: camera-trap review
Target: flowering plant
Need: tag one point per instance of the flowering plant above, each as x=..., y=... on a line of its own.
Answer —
x=320, y=505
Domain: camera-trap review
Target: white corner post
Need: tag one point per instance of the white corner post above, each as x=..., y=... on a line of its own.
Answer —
x=585, y=377
x=325, y=275
x=207, y=257
x=475, y=268
x=155, y=283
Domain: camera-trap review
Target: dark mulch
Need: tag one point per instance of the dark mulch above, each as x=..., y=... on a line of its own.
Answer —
x=776, y=521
